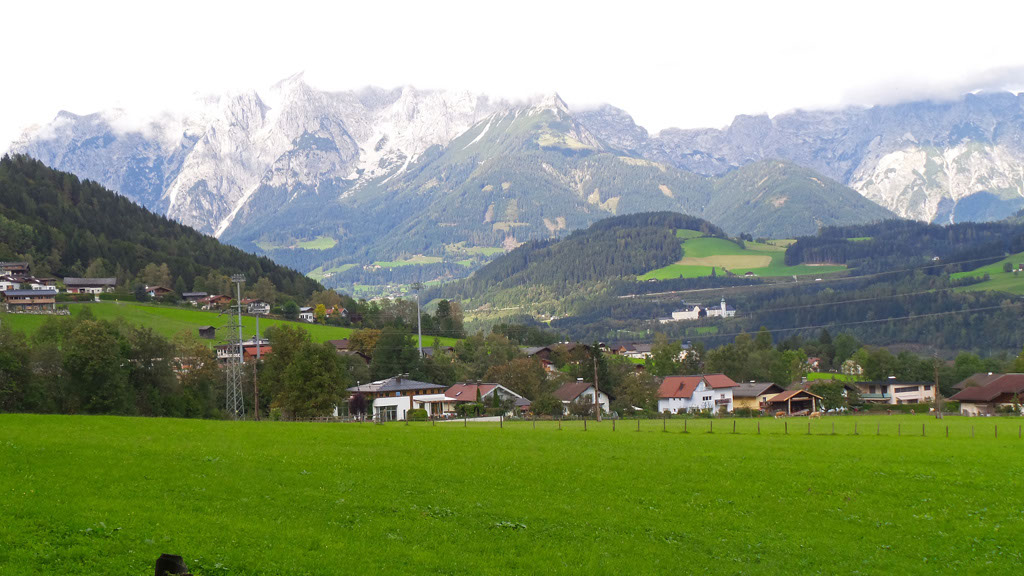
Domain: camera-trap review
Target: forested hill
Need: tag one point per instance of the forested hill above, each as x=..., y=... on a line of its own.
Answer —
x=611, y=248
x=904, y=243
x=67, y=227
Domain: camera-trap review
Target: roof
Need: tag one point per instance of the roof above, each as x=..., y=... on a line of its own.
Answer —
x=365, y=388
x=90, y=281
x=642, y=348
x=996, y=387
x=400, y=383
x=30, y=293
x=755, y=389
x=339, y=344
x=206, y=328
x=523, y=402
x=979, y=379
x=531, y=350
x=467, y=392
x=788, y=394
x=194, y=294
x=684, y=386
x=571, y=390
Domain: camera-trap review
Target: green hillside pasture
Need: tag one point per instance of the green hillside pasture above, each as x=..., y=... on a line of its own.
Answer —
x=831, y=376
x=319, y=243
x=701, y=254
x=998, y=280
x=169, y=321
x=418, y=259
x=684, y=234
x=319, y=273
x=108, y=495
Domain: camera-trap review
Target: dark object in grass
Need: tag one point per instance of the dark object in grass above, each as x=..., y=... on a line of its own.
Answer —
x=168, y=564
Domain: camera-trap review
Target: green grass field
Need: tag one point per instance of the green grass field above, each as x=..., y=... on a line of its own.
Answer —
x=108, y=495
x=998, y=279
x=412, y=261
x=701, y=254
x=831, y=376
x=169, y=321
x=319, y=243
x=319, y=273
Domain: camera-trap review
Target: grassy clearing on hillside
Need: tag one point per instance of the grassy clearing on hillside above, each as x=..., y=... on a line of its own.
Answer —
x=701, y=254
x=169, y=321
x=320, y=243
x=461, y=248
x=831, y=376
x=999, y=280
x=108, y=495
x=684, y=234
x=418, y=259
x=319, y=273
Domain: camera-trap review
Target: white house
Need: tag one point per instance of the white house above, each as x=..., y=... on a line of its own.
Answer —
x=697, y=311
x=680, y=394
x=572, y=391
x=395, y=397
x=306, y=314
x=9, y=283
x=257, y=306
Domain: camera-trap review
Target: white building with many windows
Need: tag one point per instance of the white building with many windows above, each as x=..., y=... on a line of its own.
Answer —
x=681, y=394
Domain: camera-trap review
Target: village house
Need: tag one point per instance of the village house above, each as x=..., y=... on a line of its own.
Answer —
x=697, y=311
x=984, y=394
x=681, y=394
x=229, y=352
x=395, y=397
x=214, y=301
x=157, y=291
x=15, y=268
x=306, y=314
x=633, y=350
x=256, y=306
x=31, y=301
x=892, y=391
x=793, y=402
x=466, y=392
x=754, y=395
x=582, y=391
x=89, y=285
x=9, y=283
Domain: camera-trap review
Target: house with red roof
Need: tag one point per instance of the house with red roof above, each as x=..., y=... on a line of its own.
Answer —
x=681, y=394
x=986, y=393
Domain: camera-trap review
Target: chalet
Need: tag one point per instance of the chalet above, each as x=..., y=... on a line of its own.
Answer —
x=256, y=306
x=697, y=311
x=9, y=283
x=681, y=394
x=541, y=352
x=340, y=345
x=893, y=391
x=640, y=351
x=794, y=401
x=15, y=268
x=207, y=332
x=306, y=314
x=194, y=297
x=755, y=395
x=157, y=291
x=581, y=391
x=395, y=397
x=998, y=391
x=214, y=301
x=32, y=301
x=89, y=285
x=465, y=392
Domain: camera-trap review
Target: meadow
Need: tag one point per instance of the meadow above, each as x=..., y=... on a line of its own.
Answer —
x=169, y=321
x=701, y=254
x=108, y=495
x=998, y=279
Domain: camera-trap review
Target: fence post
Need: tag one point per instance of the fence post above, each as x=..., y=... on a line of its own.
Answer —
x=922, y=429
x=899, y=429
x=584, y=423
x=786, y=424
x=637, y=422
x=733, y=425
x=833, y=428
x=947, y=430
x=997, y=430
x=501, y=420
x=972, y=430
x=465, y=421
x=559, y=422
x=854, y=427
x=711, y=427
x=664, y=422
x=878, y=431
x=613, y=424
x=758, y=425
x=534, y=421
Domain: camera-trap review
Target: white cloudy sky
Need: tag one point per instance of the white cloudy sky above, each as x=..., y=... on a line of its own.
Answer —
x=668, y=63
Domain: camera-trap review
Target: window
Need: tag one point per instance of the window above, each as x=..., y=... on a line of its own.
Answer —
x=905, y=389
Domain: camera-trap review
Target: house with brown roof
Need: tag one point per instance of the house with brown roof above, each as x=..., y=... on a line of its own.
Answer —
x=998, y=391
x=89, y=285
x=754, y=395
x=465, y=392
x=795, y=401
x=31, y=301
x=581, y=391
x=681, y=394
x=395, y=397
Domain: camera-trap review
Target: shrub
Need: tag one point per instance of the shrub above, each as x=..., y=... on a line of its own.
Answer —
x=746, y=412
x=416, y=415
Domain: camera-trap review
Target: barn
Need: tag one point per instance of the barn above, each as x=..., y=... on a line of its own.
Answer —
x=794, y=402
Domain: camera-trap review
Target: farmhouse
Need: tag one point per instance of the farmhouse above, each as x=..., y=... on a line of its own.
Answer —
x=697, y=311
x=999, y=391
x=9, y=283
x=89, y=285
x=256, y=306
x=754, y=395
x=395, y=397
x=893, y=391
x=15, y=268
x=681, y=394
x=229, y=352
x=795, y=401
x=214, y=301
x=581, y=391
x=633, y=350
x=306, y=314
x=157, y=291
x=541, y=352
x=193, y=297
x=33, y=301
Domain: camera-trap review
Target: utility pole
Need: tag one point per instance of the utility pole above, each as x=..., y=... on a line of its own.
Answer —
x=234, y=402
x=597, y=392
x=938, y=399
x=255, y=375
x=419, y=326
